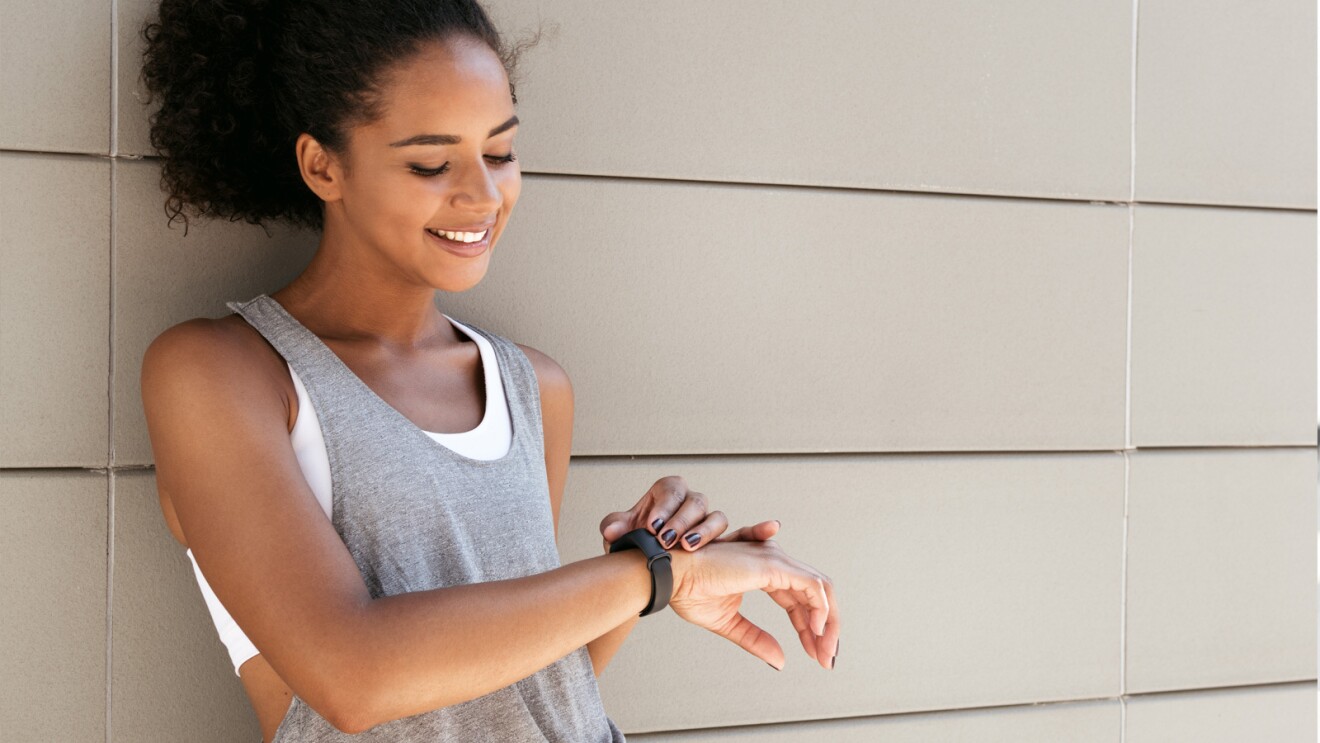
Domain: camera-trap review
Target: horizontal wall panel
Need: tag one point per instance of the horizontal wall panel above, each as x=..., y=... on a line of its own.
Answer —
x=1220, y=571
x=1013, y=98
x=1223, y=327
x=52, y=605
x=55, y=76
x=172, y=677
x=1007, y=98
x=702, y=318
x=163, y=277
x=54, y=310
x=1226, y=103
x=962, y=581
x=1077, y=722
x=1278, y=714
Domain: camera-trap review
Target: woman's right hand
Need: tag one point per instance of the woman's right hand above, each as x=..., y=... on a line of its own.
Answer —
x=709, y=585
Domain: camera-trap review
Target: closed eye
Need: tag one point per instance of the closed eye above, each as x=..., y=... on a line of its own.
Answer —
x=497, y=159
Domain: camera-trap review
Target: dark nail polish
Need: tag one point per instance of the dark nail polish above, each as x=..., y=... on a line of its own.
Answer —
x=657, y=524
x=692, y=539
x=836, y=653
x=668, y=537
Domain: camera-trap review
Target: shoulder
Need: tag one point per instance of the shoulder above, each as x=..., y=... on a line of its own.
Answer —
x=550, y=377
x=217, y=353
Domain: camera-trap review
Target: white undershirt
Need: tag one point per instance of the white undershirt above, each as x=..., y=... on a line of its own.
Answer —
x=489, y=440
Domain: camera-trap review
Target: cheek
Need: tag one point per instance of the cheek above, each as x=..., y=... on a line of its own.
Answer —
x=400, y=203
x=366, y=193
x=510, y=188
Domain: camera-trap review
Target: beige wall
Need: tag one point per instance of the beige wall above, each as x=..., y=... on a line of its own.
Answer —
x=1006, y=310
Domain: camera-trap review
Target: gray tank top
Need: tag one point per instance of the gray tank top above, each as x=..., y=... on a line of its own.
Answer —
x=417, y=515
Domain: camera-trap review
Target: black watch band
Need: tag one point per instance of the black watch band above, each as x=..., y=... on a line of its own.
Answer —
x=657, y=561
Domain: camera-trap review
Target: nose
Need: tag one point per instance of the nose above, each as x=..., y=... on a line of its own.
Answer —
x=475, y=190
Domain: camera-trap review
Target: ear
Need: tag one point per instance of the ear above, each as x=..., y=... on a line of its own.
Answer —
x=321, y=170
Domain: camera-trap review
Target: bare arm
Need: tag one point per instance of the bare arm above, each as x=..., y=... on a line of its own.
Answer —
x=218, y=418
x=556, y=391
x=433, y=648
x=603, y=648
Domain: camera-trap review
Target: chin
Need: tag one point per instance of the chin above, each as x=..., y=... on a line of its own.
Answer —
x=460, y=281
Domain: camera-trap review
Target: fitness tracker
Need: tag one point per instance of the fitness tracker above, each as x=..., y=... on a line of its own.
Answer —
x=657, y=561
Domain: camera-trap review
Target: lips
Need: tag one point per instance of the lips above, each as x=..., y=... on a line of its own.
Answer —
x=462, y=249
x=483, y=234
x=469, y=228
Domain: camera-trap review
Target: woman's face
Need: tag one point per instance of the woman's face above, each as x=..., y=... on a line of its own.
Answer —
x=436, y=160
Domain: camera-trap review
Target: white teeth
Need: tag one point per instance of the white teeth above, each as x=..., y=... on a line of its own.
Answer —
x=465, y=237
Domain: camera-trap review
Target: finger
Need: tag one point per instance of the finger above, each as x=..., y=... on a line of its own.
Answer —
x=616, y=524
x=667, y=496
x=824, y=643
x=753, y=533
x=755, y=640
x=793, y=575
x=793, y=605
x=828, y=643
x=822, y=614
x=690, y=513
x=801, y=612
x=713, y=526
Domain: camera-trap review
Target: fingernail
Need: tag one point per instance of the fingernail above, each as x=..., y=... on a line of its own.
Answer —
x=777, y=523
x=692, y=539
x=657, y=524
x=836, y=653
x=772, y=665
x=668, y=537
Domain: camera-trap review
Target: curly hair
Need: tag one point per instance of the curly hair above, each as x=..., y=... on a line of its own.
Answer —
x=239, y=80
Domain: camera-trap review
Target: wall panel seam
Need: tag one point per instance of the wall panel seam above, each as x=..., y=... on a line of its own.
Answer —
x=771, y=184
x=1122, y=599
x=1127, y=351
x=110, y=448
x=586, y=458
x=110, y=376
x=114, y=78
x=109, y=603
x=1132, y=132
x=110, y=326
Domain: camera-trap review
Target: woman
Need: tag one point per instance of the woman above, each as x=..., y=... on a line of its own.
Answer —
x=401, y=582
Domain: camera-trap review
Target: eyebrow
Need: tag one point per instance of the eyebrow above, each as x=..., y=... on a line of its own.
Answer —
x=450, y=138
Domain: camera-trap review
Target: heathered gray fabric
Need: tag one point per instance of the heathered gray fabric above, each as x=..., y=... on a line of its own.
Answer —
x=417, y=515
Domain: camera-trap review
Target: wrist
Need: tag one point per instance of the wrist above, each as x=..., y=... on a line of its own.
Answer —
x=680, y=562
x=641, y=595
x=658, y=562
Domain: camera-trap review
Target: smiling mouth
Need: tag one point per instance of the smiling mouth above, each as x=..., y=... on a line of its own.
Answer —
x=466, y=248
x=460, y=237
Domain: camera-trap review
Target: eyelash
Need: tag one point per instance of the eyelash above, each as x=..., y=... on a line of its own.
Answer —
x=428, y=172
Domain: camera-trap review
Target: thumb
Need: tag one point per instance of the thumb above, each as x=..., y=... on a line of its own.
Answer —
x=746, y=635
x=754, y=533
x=765, y=530
x=615, y=525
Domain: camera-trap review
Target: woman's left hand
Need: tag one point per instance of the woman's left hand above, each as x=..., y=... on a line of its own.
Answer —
x=678, y=516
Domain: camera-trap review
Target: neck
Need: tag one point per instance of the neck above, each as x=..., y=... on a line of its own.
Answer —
x=342, y=297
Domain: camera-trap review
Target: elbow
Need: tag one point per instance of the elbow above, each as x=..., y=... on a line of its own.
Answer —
x=347, y=712
x=343, y=691
x=350, y=698
x=339, y=704
x=358, y=697
x=349, y=724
